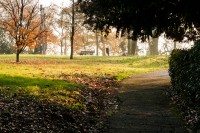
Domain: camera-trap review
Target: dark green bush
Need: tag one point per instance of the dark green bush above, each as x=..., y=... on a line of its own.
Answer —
x=184, y=70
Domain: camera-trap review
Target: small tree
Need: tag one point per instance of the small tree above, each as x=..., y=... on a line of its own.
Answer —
x=21, y=19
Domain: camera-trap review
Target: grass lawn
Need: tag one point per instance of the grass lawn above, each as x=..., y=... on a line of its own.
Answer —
x=42, y=76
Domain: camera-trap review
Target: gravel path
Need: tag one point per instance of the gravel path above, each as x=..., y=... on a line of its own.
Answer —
x=145, y=107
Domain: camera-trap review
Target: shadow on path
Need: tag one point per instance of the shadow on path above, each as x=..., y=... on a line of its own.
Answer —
x=145, y=106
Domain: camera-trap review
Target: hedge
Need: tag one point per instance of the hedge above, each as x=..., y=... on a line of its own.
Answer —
x=184, y=70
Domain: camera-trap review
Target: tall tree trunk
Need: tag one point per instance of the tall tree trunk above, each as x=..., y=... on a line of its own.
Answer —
x=129, y=46
x=44, y=48
x=132, y=46
x=97, y=44
x=136, y=48
x=175, y=44
x=103, y=45
x=65, y=48
x=72, y=34
x=61, y=47
x=42, y=27
x=107, y=47
x=62, y=32
x=104, y=49
x=153, y=46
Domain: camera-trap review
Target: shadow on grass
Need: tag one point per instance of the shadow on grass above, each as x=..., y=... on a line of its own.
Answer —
x=35, y=86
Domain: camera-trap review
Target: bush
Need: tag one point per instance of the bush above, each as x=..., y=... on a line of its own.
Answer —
x=184, y=70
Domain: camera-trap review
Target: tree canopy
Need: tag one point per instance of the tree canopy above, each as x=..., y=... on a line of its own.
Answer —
x=177, y=18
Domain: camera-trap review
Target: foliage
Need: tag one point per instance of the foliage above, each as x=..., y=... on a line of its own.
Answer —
x=184, y=71
x=174, y=17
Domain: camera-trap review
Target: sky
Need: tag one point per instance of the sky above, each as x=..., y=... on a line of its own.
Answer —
x=57, y=2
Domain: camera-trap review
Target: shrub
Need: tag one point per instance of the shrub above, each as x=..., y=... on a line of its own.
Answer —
x=184, y=70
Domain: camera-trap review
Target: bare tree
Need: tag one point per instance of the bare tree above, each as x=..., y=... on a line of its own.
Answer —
x=61, y=25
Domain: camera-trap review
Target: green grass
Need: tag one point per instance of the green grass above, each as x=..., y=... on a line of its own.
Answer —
x=39, y=75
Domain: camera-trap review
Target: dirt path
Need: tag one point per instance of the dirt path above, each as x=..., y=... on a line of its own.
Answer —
x=145, y=107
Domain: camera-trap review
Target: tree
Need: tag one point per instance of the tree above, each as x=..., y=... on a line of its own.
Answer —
x=6, y=43
x=75, y=24
x=177, y=18
x=21, y=20
x=61, y=25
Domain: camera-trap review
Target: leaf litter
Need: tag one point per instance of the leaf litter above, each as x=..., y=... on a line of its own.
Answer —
x=95, y=102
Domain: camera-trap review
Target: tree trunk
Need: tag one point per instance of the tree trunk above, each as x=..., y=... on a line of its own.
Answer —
x=103, y=45
x=72, y=47
x=42, y=27
x=174, y=44
x=17, y=55
x=129, y=46
x=72, y=34
x=103, y=49
x=44, y=48
x=97, y=44
x=136, y=48
x=153, y=46
x=62, y=32
x=61, y=47
x=65, y=48
x=132, y=46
